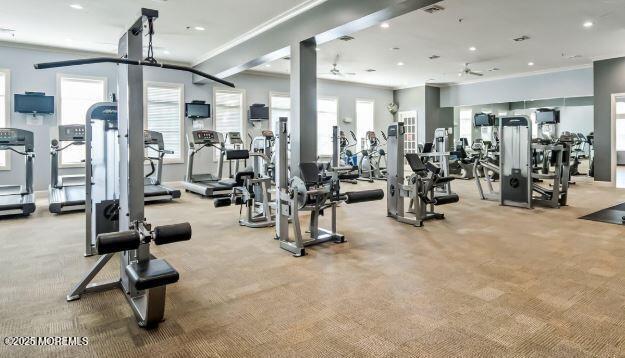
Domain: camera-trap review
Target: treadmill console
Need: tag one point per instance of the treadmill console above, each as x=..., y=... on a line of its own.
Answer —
x=206, y=136
x=234, y=138
x=72, y=133
x=12, y=137
x=149, y=137
x=267, y=134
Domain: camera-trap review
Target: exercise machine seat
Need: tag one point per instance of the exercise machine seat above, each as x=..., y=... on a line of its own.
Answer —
x=239, y=177
x=150, y=274
x=231, y=183
x=446, y=199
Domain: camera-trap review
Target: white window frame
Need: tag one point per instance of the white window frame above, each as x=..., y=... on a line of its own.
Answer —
x=243, y=114
x=372, y=101
x=7, y=109
x=170, y=85
x=58, y=100
x=470, y=120
x=277, y=94
x=326, y=98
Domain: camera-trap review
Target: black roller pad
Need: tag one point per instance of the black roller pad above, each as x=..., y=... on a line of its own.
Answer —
x=167, y=234
x=612, y=215
x=365, y=195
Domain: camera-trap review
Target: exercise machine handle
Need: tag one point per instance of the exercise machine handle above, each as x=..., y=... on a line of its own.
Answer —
x=117, y=241
x=353, y=197
x=167, y=234
x=125, y=61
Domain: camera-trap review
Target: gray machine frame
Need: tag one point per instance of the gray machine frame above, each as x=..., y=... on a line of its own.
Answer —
x=143, y=278
x=18, y=199
x=515, y=165
x=66, y=192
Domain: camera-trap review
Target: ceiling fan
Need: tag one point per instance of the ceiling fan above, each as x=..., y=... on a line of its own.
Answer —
x=467, y=71
x=335, y=71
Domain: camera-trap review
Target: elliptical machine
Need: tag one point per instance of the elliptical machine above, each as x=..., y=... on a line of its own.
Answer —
x=370, y=167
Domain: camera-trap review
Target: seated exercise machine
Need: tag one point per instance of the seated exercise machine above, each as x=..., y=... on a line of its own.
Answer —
x=115, y=176
x=153, y=189
x=420, y=186
x=251, y=189
x=66, y=192
x=316, y=191
x=18, y=199
x=207, y=185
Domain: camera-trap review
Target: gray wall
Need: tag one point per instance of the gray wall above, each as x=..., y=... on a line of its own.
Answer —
x=413, y=99
x=257, y=88
x=25, y=78
x=571, y=83
x=609, y=78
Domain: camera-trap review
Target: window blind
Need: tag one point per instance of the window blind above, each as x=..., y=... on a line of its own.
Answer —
x=3, y=114
x=364, y=118
x=327, y=113
x=164, y=115
x=280, y=107
x=466, y=125
x=228, y=111
x=77, y=94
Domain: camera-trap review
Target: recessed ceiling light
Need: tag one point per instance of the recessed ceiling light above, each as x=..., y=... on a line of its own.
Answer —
x=588, y=24
x=68, y=40
x=76, y=6
x=400, y=63
x=317, y=49
x=459, y=74
x=385, y=25
x=267, y=65
x=472, y=48
x=166, y=52
x=199, y=28
x=530, y=63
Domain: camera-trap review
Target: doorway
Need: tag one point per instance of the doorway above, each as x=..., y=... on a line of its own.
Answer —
x=618, y=161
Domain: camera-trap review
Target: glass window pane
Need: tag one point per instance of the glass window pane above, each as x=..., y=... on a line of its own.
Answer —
x=164, y=115
x=364, y=118
x=77, y=95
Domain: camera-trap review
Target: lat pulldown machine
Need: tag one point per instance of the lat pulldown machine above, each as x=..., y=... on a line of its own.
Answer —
x=118, y=177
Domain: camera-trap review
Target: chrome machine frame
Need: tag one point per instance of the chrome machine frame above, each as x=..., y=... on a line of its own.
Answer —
x=143, y=278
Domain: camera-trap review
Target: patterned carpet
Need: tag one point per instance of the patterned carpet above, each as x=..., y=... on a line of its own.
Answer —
x=487, y=281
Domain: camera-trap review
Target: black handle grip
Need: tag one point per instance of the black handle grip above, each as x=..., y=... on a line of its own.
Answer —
x=222, y=202
x=117, y=241
x=363, y=196
x=166, y=234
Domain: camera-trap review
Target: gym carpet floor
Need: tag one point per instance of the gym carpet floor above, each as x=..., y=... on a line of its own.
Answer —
x=487, y=281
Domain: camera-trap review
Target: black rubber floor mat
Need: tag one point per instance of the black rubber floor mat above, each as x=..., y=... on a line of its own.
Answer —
x=613, y=215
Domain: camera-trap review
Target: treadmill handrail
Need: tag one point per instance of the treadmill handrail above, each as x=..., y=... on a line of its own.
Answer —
x=125, y=61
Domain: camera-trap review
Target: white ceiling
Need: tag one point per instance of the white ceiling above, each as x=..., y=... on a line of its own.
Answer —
x=99, y=24
x=555, y=27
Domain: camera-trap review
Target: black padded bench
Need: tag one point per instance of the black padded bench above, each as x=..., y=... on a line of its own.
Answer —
x=150, y=274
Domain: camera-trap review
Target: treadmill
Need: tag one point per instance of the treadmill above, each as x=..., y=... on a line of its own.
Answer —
x=66, y=192
x=18, y=199
x=207, y=185
x=153, y=189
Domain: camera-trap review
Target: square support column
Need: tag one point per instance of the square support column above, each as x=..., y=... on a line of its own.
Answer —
x=303, y=121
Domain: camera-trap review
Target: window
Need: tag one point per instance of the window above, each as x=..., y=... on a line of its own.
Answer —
x=164, y=113
x=76, y=95
x=280, y=105
x=327, y=116
x=364, y=117
x=228, y=111
x=5, y=95
x=620, y=126
x=534, y=125
x=410, y=124
x=466, y=124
